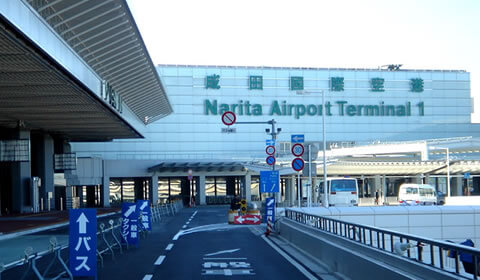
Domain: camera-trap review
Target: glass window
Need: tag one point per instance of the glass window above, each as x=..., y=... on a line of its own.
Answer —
x=115, y=192
x=128, y=190
x=210, y=186
x=163, y=190
x=175, y=187
x=221, y=186
x=411, y=190
x=343, y=186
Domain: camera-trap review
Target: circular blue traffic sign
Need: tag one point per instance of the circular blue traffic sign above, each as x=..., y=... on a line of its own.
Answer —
x=298, y=150
x=270, y=150
x=298, y=164
x=270, y=160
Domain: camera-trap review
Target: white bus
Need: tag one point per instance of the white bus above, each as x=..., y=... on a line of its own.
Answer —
x=414, y=194
x=341, y=191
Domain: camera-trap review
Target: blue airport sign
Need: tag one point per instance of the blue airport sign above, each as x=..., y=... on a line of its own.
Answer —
x=270, y=209
x=146, y=214
x=466, y=175
x=269, y=181
x=269, y=142
x=83, y=242
x=130, y=215
x=297, y=138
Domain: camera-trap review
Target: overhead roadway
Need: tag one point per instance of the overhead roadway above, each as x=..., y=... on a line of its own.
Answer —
x=105, y=35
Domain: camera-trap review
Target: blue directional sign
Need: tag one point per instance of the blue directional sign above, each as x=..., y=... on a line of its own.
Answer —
x=83, y=242
x=130, y=215
x=270, y=142
x=297, y=138
x=466, y=175
x=269, y=181
x=146, y=214
x=270, y=209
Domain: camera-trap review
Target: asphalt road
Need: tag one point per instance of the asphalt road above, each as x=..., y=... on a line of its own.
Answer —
x=196, y=243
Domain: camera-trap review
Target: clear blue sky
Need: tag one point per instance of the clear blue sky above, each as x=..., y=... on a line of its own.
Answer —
x=420, y=34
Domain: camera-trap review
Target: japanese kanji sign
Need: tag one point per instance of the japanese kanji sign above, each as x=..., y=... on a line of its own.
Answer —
x=130, y=215
x=145, y=214
x=337, y=84
x=83, y=242
x=377, y=84
x=212, y=81
x=416, y=85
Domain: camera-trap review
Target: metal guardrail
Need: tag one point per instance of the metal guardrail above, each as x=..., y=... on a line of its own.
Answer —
x=109, y=240
x=430, y=252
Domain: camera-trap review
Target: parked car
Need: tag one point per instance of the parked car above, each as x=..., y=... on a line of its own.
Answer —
x=417, y=194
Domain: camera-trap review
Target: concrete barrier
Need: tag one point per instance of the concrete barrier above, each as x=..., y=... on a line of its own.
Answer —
x=355, y=260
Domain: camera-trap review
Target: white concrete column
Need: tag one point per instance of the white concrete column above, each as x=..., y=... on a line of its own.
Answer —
x=247, y=187
x=458, y=190
x=201, y=190
x=154, y=195
x=69, y=196
x=105, y=187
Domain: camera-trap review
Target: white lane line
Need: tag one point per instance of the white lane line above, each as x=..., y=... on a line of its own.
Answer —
x=169, y=247
x=187, y=222
x=291, y=260
x=195, y=213
x=184, y=226
x=159, y=260
x=227, y=272
x=148, y=277
x=179, y=233
x=224, y=258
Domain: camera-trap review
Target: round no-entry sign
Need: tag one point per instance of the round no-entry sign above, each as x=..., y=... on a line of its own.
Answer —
x=298, y=150
x=298, y=164
x=229, y=118
x=270, y=160
x=270, y=150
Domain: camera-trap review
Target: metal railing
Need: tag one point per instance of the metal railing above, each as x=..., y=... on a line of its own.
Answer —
x=441, y=255
x=109, y=240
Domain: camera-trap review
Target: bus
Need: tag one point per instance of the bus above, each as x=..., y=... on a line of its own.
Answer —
x=417, y=194
x=341, y=191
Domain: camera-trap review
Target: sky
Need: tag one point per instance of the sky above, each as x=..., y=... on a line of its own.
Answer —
x=420, y=34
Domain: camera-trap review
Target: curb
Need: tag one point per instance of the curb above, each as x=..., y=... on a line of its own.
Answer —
x=35, y=230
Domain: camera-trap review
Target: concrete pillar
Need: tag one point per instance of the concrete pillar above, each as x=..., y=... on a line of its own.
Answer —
x=289, y=191
x=21, y=176
x=42, y=159
x=457, y=186
x=154, y=196
x=106, y=190
x=247, y=187
x=69, y=196
x=417, y=179
x=201, y=190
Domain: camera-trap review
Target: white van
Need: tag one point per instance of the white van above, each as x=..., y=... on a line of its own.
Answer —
x=417, y=194
x=341, y=191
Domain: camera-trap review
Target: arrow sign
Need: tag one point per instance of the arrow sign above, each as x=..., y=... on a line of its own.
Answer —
x=144, y=204
x=297, y=138
x=130, y=210
x=270, y=202
x=247, y=220
x=82, y=223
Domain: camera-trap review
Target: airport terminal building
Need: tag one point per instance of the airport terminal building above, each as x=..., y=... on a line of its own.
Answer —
x=87, y=120
x=383, y=126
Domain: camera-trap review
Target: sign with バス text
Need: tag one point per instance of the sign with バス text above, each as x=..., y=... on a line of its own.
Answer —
x=83, y=242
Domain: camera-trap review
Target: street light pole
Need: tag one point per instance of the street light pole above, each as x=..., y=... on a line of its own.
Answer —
x=325, y=191
x=325, y=185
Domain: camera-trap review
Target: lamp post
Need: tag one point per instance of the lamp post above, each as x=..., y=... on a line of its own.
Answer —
x=325, y=191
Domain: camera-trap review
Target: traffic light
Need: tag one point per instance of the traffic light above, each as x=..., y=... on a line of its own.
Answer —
x=243, y=206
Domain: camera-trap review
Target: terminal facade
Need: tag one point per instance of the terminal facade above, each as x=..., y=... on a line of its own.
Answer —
x=363, y=107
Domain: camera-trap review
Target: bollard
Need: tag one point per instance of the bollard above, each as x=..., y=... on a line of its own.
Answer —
x=61, y=203
x=49, y=200
x=41, y=204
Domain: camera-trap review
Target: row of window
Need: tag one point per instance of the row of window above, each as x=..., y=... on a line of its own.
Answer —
x=296, y=83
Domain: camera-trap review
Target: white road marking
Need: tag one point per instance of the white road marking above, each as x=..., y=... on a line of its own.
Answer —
x=148, y=277
x=184, y=226
x=187, y=222
x=224, y=258
x=179, y=233
x=169, y=247
x=159, y=260
x=222, y=252
x=195, y=213
x=227, y=272
x=288, y=258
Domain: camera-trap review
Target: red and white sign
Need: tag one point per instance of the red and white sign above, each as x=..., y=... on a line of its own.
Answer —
x=247, y=220
x=270, y=150
x=270, y=160
x=298, y=150
x=229, y=118
x=298, y=164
